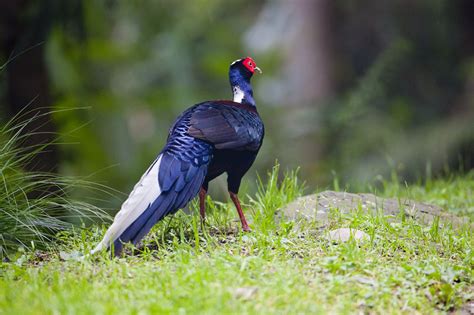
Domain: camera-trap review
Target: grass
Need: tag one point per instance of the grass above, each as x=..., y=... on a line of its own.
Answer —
x=32, y=222
x=183, y=267
x=454, y=193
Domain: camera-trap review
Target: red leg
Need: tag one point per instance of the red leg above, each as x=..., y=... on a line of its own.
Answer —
x=202, y=203
x=236, y=201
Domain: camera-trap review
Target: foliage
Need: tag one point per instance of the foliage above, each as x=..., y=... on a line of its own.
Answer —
x=183, y=267
x=454, y=192
x=399, y=91
x=134, y=73
x=35, y=206
x=272, y=195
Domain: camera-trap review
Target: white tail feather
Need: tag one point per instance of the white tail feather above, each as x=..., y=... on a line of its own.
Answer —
x=145, y=192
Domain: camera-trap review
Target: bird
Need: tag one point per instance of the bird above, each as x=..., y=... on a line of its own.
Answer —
x=205, y=141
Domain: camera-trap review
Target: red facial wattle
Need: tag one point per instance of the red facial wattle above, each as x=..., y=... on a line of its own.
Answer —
x=249, y=64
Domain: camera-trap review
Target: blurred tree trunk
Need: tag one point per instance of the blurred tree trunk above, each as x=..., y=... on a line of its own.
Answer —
x=310, y=58
x=24, y=26
x=302, y=32
x=466, y=11
x=309, y=73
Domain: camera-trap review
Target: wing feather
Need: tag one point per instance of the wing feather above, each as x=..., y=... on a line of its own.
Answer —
x=227, y=127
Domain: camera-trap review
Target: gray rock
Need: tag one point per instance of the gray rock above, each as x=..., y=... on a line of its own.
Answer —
x=318, y=206
x=466, y=309
x=245, y=293
x=345, y=234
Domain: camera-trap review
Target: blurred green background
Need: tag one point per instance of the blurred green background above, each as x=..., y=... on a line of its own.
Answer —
x=351, y=89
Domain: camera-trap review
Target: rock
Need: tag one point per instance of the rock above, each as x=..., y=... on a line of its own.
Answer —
x=345, y=234
x=318, y=206
x=468, y=307
x=75, y=255
x=364, y=280
x=245, y=293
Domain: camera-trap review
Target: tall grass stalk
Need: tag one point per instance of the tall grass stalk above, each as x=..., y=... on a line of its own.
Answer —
x=273, y=194
x=32, y=222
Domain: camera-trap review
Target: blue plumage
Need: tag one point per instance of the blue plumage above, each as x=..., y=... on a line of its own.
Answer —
x=206, y=140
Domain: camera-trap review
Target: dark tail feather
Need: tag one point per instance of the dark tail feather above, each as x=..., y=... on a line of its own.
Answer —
x=139, y=228
x=176, y=197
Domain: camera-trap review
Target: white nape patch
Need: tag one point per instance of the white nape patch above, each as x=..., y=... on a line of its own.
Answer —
x=238, y=94
x=143, y=194
x=235, y=61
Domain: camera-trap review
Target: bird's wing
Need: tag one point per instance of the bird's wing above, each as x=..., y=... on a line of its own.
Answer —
x=227, y=127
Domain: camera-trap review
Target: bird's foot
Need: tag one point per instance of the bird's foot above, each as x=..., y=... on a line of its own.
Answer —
x=235, y=199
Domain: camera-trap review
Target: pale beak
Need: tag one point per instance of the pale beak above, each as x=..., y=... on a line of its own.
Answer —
x=258, y=69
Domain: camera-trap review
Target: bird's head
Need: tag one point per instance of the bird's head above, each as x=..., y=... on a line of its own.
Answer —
x=240, y=73
x=245, y=66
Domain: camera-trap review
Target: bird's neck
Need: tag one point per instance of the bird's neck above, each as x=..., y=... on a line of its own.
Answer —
x=243, y=94
x=242, y=90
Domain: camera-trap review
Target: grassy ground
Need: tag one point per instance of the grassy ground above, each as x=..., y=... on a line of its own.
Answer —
x=277, y=268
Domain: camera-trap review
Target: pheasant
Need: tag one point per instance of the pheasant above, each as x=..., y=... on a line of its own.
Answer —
x=205, y=141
